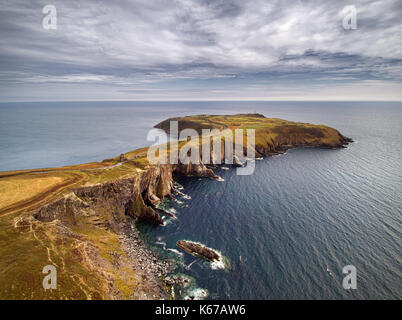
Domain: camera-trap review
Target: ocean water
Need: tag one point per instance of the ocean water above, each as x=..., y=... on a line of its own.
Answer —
x=286, y=231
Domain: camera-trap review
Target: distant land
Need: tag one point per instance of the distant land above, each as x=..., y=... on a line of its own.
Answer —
x=78, y=217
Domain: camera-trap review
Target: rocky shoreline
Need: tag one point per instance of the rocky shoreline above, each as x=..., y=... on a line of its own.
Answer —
x=158, y=272
x=150, y=267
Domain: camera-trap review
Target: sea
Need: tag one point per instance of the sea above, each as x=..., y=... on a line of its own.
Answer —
x=285, y=232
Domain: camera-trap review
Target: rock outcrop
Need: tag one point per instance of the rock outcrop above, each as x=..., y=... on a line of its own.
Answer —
x=197, y=170
x=136, y=196
x=198, y=250
x=112, y=199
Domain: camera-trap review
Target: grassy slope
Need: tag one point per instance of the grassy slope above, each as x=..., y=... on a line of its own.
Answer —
x=268, y=130
x=26, y=245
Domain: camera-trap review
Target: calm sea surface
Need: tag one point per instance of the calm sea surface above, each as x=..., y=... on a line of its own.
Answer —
x=286, y=231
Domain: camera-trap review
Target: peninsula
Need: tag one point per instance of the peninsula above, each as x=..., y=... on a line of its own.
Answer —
x=78, y=218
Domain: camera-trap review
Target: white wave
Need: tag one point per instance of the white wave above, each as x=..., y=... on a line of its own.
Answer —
x=175, y=251
x=163, y=244
x=189, y=266
x=166, y=221
x=178, y=186
x=197, y=293
x=215, y=265
x=218, y=265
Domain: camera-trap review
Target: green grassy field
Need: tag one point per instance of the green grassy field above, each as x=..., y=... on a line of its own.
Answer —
x=269, y=132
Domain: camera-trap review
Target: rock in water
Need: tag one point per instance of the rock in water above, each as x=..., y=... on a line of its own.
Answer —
x=197, y=249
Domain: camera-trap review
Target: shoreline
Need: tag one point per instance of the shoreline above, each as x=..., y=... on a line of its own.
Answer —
x=145, y=259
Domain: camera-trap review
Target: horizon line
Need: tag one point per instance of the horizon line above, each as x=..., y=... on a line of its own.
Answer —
x=196, y=100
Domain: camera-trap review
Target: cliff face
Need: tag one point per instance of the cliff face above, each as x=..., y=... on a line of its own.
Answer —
x=127, y=196
x=197, y=170
x=281, y=143
x=135, y=196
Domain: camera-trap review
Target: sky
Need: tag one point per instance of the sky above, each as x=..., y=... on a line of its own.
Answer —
x=200, y=50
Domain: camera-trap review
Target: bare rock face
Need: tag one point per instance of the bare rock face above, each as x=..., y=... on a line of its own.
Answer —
x=135, y=196
x=114, y=200
x=66, y=209
x=138, y=209
x=198, y=170
x=156, y=183
x=199, y=250
x=237, y=162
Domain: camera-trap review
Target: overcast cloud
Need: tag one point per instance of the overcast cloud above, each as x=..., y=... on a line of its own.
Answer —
x=189, y=49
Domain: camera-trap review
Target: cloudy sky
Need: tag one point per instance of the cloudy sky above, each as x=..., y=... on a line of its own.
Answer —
x=200, y=50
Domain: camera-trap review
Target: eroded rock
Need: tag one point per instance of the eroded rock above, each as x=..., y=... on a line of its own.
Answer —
x=198, y=249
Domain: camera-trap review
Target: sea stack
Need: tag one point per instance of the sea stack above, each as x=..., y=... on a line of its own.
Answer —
x=199, y=250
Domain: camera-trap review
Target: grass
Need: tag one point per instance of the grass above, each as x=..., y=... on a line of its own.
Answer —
x=27, y=245
x=20, y=188
x=269, y=132
x=32, y=245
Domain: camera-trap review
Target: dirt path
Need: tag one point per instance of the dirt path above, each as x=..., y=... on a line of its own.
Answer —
x=55, y=170
x=43, y=196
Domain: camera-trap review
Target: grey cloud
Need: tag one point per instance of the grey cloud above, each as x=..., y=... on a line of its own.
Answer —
x=125, y=43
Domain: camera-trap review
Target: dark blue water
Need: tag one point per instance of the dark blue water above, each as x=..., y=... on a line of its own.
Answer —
x=279, y=229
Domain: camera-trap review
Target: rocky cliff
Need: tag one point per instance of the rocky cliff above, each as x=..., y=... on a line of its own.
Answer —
x=134, y=197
